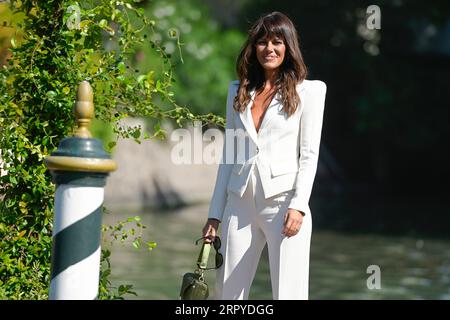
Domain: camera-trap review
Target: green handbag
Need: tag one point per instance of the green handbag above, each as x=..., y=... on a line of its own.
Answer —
x=194, y=286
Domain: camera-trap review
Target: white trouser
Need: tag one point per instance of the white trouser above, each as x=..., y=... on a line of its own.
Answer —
x=248, y=223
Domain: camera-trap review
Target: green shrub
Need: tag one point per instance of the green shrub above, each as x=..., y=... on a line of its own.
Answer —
x=63, y=43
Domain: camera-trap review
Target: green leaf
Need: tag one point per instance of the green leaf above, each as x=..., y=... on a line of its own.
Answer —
x=121, y=67
x=141, y=78
x=151, y=245
x=103, y=23
x=136, y=134
x=106, y=254
x=51, y=94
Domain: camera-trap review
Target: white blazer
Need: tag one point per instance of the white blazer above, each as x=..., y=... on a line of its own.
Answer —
x=286, y=150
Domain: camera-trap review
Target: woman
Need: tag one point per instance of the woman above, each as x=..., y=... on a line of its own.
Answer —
x=261, y=196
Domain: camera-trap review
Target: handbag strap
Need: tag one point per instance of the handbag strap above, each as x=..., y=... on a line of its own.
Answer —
x=202, y=260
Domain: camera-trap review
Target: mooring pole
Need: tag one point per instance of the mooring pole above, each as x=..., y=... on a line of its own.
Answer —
x=79, y=168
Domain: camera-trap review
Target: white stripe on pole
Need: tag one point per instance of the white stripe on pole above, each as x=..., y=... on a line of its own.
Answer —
x=73, y=203
x=79, y=281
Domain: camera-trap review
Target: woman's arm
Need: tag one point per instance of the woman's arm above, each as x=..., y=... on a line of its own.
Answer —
x=219, y=196
x=309, y=136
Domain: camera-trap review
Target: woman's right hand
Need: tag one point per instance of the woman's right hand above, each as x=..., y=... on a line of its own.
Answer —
x=210, y=230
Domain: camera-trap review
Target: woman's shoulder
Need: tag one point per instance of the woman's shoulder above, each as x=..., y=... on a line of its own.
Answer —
x=234, y=83
x=312, y=85
x=233, y=87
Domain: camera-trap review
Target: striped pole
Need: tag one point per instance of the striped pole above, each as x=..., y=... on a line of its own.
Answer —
x=79, y=168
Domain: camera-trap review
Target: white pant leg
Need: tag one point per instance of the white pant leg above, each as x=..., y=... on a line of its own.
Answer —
x=288, y=257
x=242, y=244
x=289, y=263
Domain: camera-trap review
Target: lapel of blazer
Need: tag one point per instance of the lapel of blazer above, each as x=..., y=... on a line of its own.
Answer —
x=247, y=120
x=271, y=111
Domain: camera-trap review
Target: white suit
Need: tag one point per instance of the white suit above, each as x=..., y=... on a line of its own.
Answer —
x=256, y=185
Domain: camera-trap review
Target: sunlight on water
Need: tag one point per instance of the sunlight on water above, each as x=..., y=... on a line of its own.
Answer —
x=410, y=268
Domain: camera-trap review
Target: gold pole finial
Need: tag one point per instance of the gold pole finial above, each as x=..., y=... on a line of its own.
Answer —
x=84, y=109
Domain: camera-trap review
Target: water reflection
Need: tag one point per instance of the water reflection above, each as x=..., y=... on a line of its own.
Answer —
x=410, y=268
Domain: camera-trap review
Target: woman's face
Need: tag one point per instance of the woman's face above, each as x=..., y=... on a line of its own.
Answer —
x=270, y=52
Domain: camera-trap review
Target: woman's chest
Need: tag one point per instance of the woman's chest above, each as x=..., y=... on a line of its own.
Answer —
x=258, y=109
x=273, y=120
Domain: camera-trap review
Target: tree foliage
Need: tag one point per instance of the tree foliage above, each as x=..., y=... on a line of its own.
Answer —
x=206, y=62
x=62, y=44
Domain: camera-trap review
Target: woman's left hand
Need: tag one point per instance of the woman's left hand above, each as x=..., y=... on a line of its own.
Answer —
x=293, y=220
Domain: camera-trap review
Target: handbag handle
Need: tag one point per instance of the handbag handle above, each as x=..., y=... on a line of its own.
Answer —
x=202, y=260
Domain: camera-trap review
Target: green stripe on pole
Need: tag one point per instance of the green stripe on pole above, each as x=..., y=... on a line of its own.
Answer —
x=84, y=179
x=76, y=242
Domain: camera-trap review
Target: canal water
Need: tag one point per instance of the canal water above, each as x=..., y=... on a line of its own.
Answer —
x=410, y=267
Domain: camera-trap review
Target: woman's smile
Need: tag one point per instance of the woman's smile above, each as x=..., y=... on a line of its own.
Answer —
x=270, y=52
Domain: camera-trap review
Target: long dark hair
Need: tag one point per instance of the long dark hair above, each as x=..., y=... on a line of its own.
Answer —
x=292, y=71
